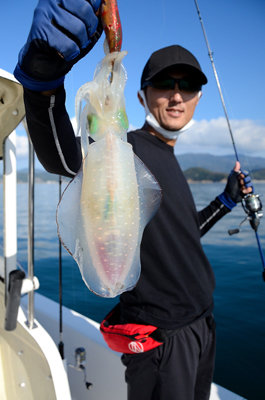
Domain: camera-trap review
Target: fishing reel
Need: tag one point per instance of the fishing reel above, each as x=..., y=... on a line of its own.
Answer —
x=252, y=206
x=80, y=359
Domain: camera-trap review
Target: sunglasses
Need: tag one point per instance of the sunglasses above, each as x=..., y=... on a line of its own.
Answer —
x=185, y=85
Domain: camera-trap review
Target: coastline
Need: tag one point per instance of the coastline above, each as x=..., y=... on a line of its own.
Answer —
x=203, y=181
x=221, y=181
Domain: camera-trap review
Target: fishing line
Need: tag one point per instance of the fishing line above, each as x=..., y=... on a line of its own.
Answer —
x=210, y=53
x=250, y=202
x=61, y=343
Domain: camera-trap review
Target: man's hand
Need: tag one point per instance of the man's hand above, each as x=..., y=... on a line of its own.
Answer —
x=238, y=185
x=62, y=32
x=244, y=180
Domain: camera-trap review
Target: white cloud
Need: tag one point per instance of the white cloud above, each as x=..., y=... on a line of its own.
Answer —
x=22, y=146
x=213, y=137
x=203, y=137
x=74, y=123
x=132, y=128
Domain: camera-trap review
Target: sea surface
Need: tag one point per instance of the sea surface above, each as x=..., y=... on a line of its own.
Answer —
x=239, y=294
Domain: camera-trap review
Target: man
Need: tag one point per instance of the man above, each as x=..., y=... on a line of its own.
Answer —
x=175, y=289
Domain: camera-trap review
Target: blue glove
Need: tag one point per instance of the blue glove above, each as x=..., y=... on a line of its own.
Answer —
x=62, y=32
x=233, y=191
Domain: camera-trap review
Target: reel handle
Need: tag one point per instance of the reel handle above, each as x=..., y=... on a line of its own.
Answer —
x=233, y=231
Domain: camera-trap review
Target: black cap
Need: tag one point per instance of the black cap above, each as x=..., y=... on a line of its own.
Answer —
x=169, y=57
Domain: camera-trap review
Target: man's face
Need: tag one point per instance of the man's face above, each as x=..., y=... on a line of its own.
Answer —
x=173, y=108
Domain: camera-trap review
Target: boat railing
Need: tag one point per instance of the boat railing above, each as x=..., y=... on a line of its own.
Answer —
x=12, y=112
x=31, y=201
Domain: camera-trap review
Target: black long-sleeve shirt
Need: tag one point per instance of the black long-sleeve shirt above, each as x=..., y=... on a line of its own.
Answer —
x=177, y=282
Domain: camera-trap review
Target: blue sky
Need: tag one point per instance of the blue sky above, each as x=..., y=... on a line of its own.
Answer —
x=236, y=32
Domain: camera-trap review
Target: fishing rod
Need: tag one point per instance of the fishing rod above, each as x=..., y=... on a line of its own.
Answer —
x=251, y=202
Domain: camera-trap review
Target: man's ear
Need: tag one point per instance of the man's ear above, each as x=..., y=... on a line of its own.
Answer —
x=140, y=98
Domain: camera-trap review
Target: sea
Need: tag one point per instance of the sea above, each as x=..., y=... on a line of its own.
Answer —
x=239, y=294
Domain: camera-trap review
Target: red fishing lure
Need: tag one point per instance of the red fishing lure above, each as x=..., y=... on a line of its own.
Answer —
x=111, y=24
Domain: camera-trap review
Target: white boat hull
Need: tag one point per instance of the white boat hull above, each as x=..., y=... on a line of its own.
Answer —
x=103, y=366
x=30, y=365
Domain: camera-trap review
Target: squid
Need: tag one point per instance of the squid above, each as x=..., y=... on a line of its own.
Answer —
x=105, y=208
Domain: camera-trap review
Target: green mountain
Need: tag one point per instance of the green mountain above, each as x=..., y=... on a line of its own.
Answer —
x=196, y=167
x=258, y=174
x=40, y=176
x=219, y=163
x=201, y=174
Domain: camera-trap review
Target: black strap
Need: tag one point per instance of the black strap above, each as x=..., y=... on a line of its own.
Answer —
x=160, y=335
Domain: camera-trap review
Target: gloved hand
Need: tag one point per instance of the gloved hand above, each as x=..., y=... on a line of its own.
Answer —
x=62, y=32
x=238, y=184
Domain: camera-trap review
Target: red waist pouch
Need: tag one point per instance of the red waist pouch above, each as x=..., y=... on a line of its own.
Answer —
x=130, y=338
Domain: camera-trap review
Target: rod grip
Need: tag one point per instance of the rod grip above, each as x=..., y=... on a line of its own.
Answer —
x=13, y=299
